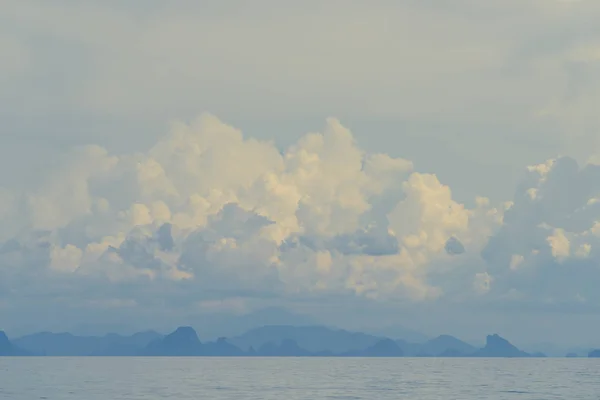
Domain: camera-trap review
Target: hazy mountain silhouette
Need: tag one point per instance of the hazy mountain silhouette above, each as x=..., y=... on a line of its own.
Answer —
x=383, y=348
x=267, y=341
x=447, y=346
x=398, y=332
x=497, y=346
x=9, y=349
x=58, y=344
x=183, y=342
x=594, y=354
x=453, y=353
x=66, y=344
x=441, y=346
x=312, y=338
x=219, y=325
x=222, y=348
x=410, y=349
x=126, y=345
x=287, y=348
x=100, y=329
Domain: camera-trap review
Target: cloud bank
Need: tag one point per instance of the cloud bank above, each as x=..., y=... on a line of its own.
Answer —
x=208, y=220
x=216, y=214
x=219, y=213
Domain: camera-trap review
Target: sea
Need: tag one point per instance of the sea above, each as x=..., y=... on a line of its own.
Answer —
x=130, y=378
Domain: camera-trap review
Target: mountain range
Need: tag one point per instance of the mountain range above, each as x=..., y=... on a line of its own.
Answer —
x=7, y=348
x=266, y=341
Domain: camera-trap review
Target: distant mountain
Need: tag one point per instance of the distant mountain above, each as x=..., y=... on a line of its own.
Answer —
x=312, y=338
x=267, y=341
x=594, y=354
x=97, y=329
x=59, y=344
x=549, y=349
x=572, y=355
x=497, y=346
x=399, y=332
x=222, y=348
x=287, y=348
x=66, y=344
x=213, y=326
x=447, y=346
x=410, y=349
x=183, y=342
x=9, y=349
x=383, y=348
x=453, y=353
x=441, y=346
x=133, y=345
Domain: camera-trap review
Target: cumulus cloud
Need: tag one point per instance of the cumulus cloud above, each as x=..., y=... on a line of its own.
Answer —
x=207, y=219
x=210, y=210
x=546, y=249
x=414, y=65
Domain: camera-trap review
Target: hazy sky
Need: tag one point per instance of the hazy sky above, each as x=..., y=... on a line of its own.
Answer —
x=160, y=160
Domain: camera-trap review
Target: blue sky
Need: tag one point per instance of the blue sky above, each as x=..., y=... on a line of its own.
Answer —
x=208, y=157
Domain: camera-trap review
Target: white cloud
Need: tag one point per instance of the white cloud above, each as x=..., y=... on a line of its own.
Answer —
x=553, y=235
x=208, y=206
x=320, y=219
x=65, y=259
x=584, y=250
x=559, y=244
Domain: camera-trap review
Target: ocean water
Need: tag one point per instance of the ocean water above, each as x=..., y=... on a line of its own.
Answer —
x=297, y=378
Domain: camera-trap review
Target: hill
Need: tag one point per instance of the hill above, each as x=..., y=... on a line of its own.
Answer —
x=182, y=342
x=66, y=344
x=594, y=354
x=8, y=349
x=497, y=346
x=314, y=339
x=267, y=341
x=447, y=346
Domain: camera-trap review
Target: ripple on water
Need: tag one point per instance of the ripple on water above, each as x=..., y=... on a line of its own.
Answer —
x=295, y=379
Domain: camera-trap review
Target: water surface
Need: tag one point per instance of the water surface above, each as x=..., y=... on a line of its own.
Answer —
x=297, y=378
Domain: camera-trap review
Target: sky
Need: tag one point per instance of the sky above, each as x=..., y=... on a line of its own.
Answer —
x=426, y=163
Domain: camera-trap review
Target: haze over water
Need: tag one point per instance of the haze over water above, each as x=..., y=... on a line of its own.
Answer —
x=297, y=378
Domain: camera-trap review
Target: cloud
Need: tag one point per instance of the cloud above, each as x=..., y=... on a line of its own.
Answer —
x=546, y=249
x=216, y=215
x=559, y=244
x=430, y=79
x=209, y=220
